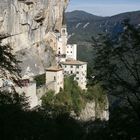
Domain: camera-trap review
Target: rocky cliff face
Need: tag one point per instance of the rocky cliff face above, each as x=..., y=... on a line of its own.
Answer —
x=93, y=110
x=24, y=24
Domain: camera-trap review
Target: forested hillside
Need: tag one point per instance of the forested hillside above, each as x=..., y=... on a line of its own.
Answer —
x=82, y=26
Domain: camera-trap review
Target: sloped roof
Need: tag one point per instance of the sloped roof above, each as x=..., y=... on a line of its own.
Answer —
x=73, y=62
x=54, y=69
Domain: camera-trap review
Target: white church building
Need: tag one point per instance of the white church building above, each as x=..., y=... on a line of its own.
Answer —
x=77, y=68
x=66, y=57
x=58, y=42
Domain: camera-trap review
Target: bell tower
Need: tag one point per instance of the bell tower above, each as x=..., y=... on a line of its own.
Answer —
x=64, y=26
x=64, y=35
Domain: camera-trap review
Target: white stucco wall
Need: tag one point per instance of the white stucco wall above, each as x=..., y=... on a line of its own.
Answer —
x=71, y=51
x=80, y=72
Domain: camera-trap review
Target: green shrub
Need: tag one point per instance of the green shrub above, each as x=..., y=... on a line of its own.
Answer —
x=40, y=80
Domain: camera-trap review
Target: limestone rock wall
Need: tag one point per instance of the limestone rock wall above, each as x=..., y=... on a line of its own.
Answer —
x=24, y=23
x=35, y=59
x=29, y=20
x=92, y=111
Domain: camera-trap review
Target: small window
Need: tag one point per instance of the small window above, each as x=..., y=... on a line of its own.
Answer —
x=77, y=78
x=71, y=66
x=77, y=67
x=54, y=78
x=71, y=51
x=77, y=72
x=65, y=66
x=71, y=72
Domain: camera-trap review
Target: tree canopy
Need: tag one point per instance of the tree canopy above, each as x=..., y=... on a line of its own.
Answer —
x=116, y=66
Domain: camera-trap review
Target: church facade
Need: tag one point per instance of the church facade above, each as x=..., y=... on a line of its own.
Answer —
x=66, y=57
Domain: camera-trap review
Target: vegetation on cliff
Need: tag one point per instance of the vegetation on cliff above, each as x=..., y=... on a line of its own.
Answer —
x=40, y=80
x=72, y=98
x=9, y=65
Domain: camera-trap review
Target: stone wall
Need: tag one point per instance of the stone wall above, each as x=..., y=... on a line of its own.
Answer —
x=40, y=91
x=30, y=92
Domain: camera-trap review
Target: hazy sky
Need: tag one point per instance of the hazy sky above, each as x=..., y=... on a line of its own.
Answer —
x=104, y=7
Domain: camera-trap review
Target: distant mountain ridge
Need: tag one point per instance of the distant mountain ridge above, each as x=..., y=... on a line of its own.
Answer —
x=81, y=16
x=133, y=16
x=82, y=26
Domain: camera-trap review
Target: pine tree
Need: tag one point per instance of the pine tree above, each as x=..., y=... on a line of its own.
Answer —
x=9, y=65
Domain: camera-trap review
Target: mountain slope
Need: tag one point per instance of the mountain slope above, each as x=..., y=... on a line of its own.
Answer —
x=85, y=24
x=82, y=26
x=81, y=16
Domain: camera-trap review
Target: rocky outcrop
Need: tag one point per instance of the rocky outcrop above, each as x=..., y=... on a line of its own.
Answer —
x=35, y=59
x=89, y=113
x=24, y=24
x=92, y=111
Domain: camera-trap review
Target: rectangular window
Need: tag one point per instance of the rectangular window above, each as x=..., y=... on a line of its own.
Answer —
x=71, y=72
x=77, y=72
x=71, y=66
x=77, y=67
